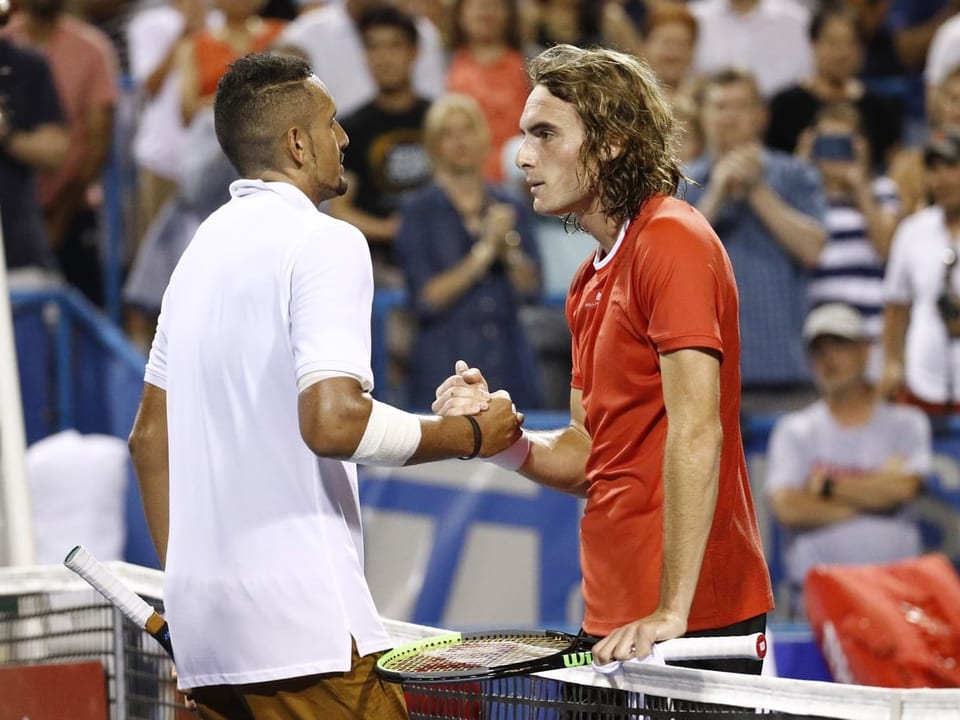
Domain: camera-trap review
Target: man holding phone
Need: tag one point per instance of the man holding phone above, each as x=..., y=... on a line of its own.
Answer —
x=861, y=216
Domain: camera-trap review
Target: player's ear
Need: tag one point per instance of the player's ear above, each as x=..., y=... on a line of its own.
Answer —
x=295, y=145
x=612, y=149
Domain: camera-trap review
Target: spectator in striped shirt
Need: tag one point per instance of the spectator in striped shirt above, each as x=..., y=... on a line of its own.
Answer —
x=862, y=213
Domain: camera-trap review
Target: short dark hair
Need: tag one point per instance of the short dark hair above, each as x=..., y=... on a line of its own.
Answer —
x=828, y=12
x=388, y=16
x=258, y=93
x=730, y=76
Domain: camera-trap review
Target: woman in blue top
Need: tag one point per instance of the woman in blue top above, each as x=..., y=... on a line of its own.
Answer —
x=469, y=255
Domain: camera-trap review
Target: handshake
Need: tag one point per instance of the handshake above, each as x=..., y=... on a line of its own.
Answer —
x=497, y=424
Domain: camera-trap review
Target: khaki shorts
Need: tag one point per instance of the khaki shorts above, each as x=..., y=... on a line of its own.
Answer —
x=360, y=693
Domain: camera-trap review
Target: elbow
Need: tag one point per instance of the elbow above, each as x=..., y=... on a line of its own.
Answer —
x=811, y=258
x=139, y=442
x=56, y=147
x=332, y=427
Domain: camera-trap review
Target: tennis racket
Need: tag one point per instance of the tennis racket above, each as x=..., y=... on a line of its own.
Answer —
x=128, y=602
x=501, y=653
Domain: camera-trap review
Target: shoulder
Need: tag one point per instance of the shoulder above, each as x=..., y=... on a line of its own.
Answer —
x=920, y=223
x=88, y=36
x=677, y=226
x=801, y=423
x=903, y=416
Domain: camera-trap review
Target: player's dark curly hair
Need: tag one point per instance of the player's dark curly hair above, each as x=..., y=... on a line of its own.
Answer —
x=258, y=98
x=620, y=104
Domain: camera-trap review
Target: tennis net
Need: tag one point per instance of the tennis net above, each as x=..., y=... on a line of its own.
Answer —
x=50, y=616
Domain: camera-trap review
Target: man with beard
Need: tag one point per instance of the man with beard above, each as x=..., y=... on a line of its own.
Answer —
x=255, y=411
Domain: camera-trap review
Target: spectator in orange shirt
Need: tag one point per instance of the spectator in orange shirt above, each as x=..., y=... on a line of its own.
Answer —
x=487, y=64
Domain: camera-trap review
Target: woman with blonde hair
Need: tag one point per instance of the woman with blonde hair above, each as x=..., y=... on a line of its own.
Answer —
x=469, y=256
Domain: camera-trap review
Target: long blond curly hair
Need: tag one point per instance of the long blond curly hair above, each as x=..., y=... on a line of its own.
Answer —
x=620, y=103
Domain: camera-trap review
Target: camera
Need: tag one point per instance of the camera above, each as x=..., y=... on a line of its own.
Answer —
x=832, y=147
x=948, y=304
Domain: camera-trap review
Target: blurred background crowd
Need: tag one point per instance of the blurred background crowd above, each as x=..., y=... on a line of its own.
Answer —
x=818, y=136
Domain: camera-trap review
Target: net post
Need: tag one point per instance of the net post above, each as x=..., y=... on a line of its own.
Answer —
x=16, y=517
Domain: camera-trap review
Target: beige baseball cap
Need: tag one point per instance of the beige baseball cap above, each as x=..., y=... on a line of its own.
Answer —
x=838, y=319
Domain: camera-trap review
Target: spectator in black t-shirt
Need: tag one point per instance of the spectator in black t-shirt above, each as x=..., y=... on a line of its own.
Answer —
x=32, y=136
x=838, y=57
x=386, y=157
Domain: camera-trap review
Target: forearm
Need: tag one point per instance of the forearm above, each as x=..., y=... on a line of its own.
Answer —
x=880, y=223
x=711, y=203
x=444, y=289
x=877, y=492
x=911, y=44
x=377, y=230
x=523, y=273
x=154, y=81
x=149, y=453
x=44, y=147
x=98, y=146
x=800, y=508
x=800, y=235
x=558, y=460
x=895, y=318
x=691, y=466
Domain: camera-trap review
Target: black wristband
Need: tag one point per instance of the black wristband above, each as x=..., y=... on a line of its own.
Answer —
x=477, y=438
x=826, y=490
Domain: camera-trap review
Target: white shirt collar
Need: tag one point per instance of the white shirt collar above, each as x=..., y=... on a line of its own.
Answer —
x=245, y=187
x=599, y=262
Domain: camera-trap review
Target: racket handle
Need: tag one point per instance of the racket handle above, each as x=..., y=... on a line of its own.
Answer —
x=698, y=648
x=128, y=602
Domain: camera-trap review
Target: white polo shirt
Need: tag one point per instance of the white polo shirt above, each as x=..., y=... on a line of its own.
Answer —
x=264, y=576
x=915, y=277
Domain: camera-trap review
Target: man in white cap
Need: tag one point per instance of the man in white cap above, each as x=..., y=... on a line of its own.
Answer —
x=841, y=470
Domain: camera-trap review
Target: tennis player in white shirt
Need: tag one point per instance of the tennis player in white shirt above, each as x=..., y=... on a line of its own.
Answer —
x=256, y=409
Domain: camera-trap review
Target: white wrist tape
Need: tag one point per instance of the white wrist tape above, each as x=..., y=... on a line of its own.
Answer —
x=514, y=456
x=391, y=438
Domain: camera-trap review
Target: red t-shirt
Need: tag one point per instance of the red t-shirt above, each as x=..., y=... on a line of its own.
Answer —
x=666, y=285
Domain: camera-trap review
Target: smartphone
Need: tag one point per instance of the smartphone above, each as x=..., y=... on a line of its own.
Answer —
x=833, y=147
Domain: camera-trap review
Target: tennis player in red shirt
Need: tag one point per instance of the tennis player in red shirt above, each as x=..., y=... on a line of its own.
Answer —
x=669, y=538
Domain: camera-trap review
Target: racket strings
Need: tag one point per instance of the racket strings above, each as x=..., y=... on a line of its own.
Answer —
x=478, y=653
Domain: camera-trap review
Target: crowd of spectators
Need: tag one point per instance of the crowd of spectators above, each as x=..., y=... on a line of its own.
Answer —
x=807, y=129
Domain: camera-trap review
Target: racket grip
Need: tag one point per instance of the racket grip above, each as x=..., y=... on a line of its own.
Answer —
x=698, y=648
x=129, y=603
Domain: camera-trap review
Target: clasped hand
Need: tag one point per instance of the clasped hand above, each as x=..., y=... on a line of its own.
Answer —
x=466, y=393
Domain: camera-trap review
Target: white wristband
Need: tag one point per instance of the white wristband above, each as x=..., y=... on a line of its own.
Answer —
x=391, y=437
x=514, y=456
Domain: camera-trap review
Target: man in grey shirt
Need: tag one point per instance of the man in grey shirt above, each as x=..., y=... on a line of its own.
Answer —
x=842, y=469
